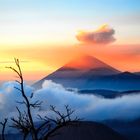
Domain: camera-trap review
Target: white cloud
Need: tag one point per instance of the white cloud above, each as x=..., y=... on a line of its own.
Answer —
x=89, y=107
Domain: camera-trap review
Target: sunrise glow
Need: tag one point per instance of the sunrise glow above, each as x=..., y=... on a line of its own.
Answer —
x=47, y=34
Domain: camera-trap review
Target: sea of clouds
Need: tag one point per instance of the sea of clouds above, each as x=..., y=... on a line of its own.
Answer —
x=89, y=107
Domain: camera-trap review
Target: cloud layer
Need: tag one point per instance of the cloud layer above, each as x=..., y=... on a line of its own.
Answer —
x=89, y=107
x=103, y=35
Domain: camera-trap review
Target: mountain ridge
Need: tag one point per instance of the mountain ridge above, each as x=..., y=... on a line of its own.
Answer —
x=87, y=131
x=87, y=72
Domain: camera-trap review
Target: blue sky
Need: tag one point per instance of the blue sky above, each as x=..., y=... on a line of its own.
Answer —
x=46, y=20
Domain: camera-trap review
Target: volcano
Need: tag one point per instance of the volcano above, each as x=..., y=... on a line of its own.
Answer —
x=88, y=72
x=80, y=70
x=82, y=67
x=86, y=62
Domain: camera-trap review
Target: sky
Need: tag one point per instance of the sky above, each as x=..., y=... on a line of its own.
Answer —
x=46, y=34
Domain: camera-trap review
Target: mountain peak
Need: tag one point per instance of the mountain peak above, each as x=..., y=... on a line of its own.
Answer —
x=87, y=72
x=82, y=68
x=87, y=62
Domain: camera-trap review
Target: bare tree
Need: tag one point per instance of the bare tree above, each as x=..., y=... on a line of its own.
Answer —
x=3, y=128
x=61, y=120
x=22, y=123
x=25, y=123
x=26, y=100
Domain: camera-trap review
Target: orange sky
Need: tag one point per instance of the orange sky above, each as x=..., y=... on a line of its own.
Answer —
x=40, y=61
x=43, y=34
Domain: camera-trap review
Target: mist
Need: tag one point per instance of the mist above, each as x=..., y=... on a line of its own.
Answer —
x=89, y=107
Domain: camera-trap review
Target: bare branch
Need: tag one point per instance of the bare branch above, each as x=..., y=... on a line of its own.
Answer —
x=23, y=121
x=23, y=102
x=13, y=69
x=32, y=94
x=18, y=89
x=36, y=104
x=17, y=81
x=62, y=120
x=3, y=128
x=47, y=126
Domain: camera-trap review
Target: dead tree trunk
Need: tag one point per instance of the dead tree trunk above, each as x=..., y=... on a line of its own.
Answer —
x=3, y=128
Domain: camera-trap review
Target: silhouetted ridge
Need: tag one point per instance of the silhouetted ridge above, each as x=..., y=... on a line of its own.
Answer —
x=86, y=131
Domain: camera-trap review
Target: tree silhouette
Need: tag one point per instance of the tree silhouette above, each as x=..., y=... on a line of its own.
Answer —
x=3, y=128
x=24, y=122
x=21, y=122
x=55, y=123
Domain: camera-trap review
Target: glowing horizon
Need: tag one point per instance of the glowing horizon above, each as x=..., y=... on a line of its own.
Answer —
x=43, y=33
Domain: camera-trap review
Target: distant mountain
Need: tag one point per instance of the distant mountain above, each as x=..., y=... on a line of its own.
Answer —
x=86, y=131
x=126, y=74
x=87, y=72
x=137, y=73
x=108, y=93
x=81, y=68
